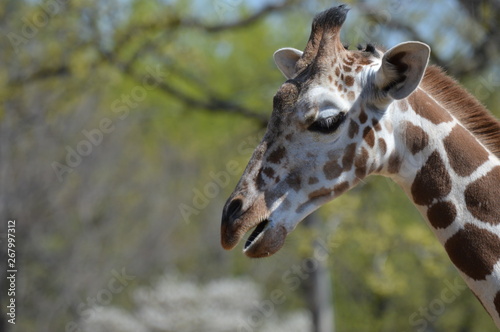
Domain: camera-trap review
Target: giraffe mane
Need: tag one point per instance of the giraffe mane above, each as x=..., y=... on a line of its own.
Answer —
x=465, y=107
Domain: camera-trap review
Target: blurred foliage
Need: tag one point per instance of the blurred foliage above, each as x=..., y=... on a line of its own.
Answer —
x=173, y=303
x=184, y=89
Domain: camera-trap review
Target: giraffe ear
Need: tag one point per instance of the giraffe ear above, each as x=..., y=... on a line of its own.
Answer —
x=285, y=59
x=402, y=69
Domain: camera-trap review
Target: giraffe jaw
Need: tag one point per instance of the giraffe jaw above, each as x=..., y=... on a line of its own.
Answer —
x=265, y=240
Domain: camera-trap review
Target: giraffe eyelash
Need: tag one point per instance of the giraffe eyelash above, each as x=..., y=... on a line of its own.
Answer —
x=327, y=125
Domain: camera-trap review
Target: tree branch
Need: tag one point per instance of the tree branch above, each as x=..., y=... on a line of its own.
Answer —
x=213, y=104
x=240, y=23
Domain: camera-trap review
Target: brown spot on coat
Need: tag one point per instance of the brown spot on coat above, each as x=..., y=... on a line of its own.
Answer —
x=362, y=116
x=321, y=192
x=330, y=78
x=269, y=172
x=349, y=80
x=259, y=180
x=277, y=155
x=431, y=182
x=313, y=180
x=464, y=151
x=332, y=169
x=482, y=197
x=442, y=214
x=364, y=61
x=369, y=136
x=294, y=181
x=360, y=163
x=474, y=251
x=347, y=69
x=416, y=138
x=376, y=124
x=348, y=158
x=427, y=108
x=340, y=188
x=395, y=162
x=382, y=146
x=337, y=71
x=353, y=129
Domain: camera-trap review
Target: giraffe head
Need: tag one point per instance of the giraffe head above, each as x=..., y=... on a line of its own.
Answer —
x=328, y=130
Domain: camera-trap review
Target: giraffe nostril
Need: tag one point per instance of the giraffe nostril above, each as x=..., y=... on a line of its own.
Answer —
x=233, y=209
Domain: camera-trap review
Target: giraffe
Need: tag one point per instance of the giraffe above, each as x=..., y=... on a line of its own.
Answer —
x=345, y=114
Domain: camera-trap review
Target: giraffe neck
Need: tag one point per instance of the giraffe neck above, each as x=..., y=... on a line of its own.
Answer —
x=454, y=180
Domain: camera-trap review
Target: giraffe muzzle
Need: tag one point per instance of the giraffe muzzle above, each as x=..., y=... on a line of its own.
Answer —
x=266, y=237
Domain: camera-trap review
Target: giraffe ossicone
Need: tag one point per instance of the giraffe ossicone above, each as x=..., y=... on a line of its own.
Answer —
x=345, y=114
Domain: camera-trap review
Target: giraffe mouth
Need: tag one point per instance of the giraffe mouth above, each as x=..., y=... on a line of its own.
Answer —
x=265, y=240
x=258, y=230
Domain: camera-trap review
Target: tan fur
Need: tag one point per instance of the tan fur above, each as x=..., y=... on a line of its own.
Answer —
x=465, y=107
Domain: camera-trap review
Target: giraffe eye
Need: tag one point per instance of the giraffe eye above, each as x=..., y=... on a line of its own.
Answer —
x=327, y=125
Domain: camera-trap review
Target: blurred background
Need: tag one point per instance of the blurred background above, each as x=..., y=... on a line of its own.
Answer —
x=124, y=126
